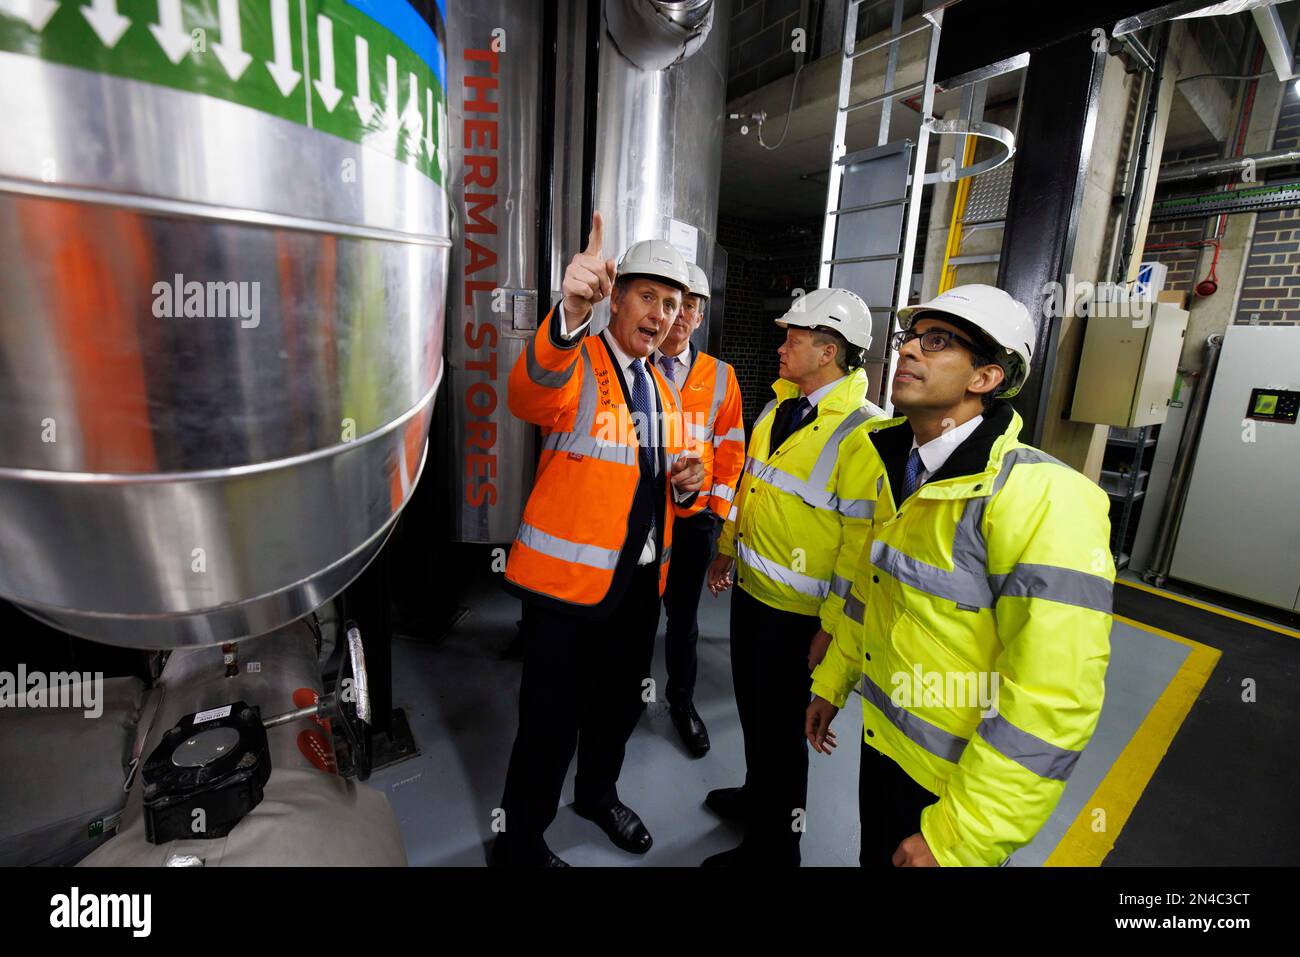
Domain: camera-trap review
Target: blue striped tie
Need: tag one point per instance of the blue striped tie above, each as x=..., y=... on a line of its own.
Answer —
x=912, y=474
x=641, y=413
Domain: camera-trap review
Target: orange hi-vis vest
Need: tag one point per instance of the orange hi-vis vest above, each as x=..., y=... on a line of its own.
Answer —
x=712, y=409
x=576, y=520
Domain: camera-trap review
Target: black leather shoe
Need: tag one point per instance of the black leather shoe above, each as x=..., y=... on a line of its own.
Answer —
x=622, y=825
x=691, y=727
x=728, y=803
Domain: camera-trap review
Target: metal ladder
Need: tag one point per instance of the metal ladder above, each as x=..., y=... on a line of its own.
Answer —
x=869, y=240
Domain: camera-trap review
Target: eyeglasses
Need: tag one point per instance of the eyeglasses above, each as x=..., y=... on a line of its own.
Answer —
x=932, y=340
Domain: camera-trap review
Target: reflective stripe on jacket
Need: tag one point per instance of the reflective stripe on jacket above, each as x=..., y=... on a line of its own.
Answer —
x=576, y=519
x=803, y=511
x=715, y=428
x=991, y=583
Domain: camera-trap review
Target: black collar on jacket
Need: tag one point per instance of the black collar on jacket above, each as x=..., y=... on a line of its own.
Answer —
x=971, y=457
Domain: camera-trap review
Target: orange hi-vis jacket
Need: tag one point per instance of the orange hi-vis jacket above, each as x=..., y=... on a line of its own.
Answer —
x=576, y=519
x=714, y=424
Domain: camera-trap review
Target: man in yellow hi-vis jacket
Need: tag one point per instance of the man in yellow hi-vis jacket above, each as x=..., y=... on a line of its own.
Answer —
x=978, y=622
x=797, y=525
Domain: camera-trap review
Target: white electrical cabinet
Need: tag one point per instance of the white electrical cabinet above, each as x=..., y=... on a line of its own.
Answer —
x=1128, y=366
x=1240, y=532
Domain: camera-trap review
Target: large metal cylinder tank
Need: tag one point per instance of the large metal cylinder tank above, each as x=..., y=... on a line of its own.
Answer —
x=223, y=253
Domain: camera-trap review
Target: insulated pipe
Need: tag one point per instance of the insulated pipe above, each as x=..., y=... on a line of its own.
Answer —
x=1189, y=171
x=1180, y=477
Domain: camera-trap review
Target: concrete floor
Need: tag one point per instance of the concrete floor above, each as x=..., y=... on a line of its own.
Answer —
x=460, y=697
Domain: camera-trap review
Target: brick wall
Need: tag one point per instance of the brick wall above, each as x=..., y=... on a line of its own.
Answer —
x=763, y=263
x=1270, y=290
x=760, y=44
x=761, y=36
x=1183, y=263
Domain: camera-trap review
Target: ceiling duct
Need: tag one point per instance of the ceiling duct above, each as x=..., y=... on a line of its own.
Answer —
x=657, y=34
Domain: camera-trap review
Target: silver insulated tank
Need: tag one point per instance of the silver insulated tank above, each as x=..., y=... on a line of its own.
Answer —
x=223, y=253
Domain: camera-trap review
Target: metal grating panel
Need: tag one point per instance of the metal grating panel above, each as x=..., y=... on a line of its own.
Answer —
x=989, y=193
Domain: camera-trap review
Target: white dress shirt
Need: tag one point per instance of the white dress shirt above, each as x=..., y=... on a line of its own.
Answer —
x=935, y=452
x=625, y=366
x=681, y=370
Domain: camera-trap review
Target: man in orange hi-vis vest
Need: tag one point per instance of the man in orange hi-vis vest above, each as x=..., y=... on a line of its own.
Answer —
x=591, y=557
x=712, y=409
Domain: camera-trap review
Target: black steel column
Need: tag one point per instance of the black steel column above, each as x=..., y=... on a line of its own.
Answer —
x=1058, y=119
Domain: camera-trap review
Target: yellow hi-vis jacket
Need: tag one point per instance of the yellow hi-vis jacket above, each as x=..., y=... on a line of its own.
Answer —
x=993, y=580
x=802, y=512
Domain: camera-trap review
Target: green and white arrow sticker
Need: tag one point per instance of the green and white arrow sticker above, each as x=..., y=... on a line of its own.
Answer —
x=325, y=64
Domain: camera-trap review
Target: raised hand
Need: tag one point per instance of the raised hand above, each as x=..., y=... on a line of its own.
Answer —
x=589, y=277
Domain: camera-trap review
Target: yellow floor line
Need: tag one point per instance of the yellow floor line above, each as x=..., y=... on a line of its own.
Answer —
x=1213, y=609
x=1092, y=835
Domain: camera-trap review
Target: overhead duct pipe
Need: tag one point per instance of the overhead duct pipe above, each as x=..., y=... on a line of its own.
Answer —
x=659, y=126
x=1190, y=171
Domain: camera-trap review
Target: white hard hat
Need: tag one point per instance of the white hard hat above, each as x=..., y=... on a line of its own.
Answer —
x=997, y=315
x=658, y=259
x=699, y=281
x=836, y=309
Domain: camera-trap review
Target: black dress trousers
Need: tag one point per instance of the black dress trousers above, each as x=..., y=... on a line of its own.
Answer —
x=694, y=543
x=581, y=690
x=889, y=805
x=769, y=666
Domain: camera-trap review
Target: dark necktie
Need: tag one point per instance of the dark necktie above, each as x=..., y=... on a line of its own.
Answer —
x=786, y=425
x=641, y=413
x=669, y=364
x=912, y=473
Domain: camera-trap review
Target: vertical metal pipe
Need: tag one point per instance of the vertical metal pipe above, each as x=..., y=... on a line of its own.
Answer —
x=658, y=137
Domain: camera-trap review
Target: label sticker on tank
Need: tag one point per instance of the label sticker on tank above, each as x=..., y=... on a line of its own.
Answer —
x=213, y=714
x=371, y=72
x=684, y=237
